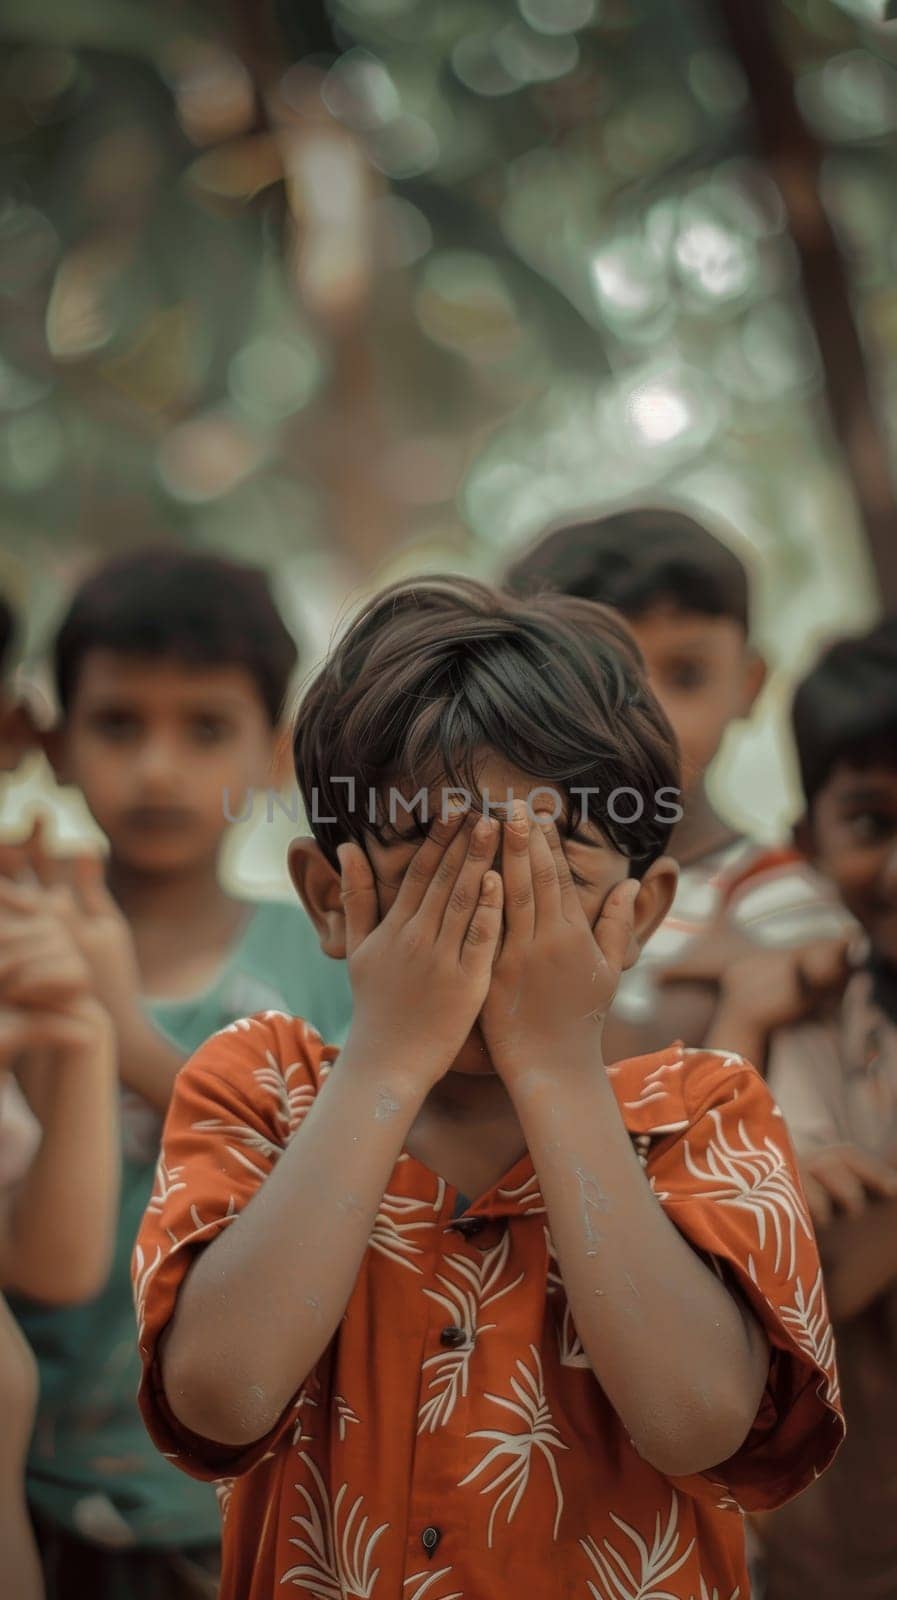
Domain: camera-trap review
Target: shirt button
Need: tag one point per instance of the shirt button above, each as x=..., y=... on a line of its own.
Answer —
x=468, y=1227
x=430, y=1539
x=453, y=1337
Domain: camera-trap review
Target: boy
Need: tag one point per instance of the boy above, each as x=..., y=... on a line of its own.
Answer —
x=836, y=1081
x=419, y=1299
x=171, y=670
x=686, y=597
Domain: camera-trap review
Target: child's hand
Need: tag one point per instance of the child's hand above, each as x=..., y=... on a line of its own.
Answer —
x=420, y=975
x=844, y=1178
x=92, y=918
x=47, y=1002
x=554, y=977
x=777, y=988
x=41, y=968
x=773, y=985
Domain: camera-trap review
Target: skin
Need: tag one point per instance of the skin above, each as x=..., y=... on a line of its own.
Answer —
x=155, y=746
x=18, y=1397
x=706, y=676
x=57, y=1222
x=851, y=833
x=519, y=965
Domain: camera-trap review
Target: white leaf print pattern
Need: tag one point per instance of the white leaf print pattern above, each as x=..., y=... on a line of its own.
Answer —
x=425, y=1582
x=143, y=1272
x=391, y=1236
x=527, y=1195
x=540, y=1435
x=656, y=1092
x=251, y=1138
x=169, y=1180
x=756, y=1179
x=622, y=1579
x=292, y=1101
x=224, y=1488
x=480, y=1286
x=344, y=1414
x=807, y=1319
x=714, y=1594
x=303, y=1403
x=341, y=1557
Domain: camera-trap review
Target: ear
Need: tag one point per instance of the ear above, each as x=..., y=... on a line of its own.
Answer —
x=754, y=679
x=653, y=901
x=318, y=886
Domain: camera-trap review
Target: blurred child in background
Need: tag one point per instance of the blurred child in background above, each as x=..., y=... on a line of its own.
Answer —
x=836, y=1082
x=171, y=670
x=685, y=595
x=59, y=1157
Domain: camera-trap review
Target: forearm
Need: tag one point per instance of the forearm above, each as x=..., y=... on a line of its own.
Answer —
x=735, y=1033
x=859, y=1258
x=60, y=1222
x=263, y=1301
x=682, y=1362
x=148, y=1061
x=680, y=1011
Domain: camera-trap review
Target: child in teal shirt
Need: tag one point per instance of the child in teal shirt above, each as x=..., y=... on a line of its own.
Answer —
x=171, y=671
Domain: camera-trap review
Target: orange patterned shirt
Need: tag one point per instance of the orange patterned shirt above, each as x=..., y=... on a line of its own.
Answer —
x=453, y=1442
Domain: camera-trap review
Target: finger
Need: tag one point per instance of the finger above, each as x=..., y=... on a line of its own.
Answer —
x=38, y=975
x=614, y=928
x=464, y=894
x=877, y=1177
x=707, y=958
x=484, y=930
x=517, y=875
x=21, y=897
x=547, y=900
x=820, y=1206
x=13, y=865
x=424, y=863
x=38, y=857
x=824, y=965
x=571, y=905
x=89, y=884
x=843, y=1187
x=358, y=893
x=442, y=885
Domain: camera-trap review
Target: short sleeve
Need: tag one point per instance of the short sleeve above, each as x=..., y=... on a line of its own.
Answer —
x=235, y=1106
x=729, y=1183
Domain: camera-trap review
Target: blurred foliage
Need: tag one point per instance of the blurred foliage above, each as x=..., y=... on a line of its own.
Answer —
x=388, y=284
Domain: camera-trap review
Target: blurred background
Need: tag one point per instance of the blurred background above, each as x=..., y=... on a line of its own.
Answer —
x=367, y=288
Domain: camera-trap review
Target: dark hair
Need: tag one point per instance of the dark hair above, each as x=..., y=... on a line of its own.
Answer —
x=199, y=609
x=7, y=631
x=434, y=672
x=845, y=710
x=636, y=560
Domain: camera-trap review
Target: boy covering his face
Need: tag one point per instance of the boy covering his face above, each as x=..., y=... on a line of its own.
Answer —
x=458, y=1309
